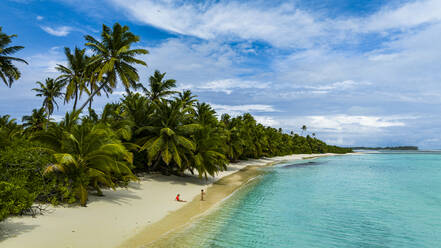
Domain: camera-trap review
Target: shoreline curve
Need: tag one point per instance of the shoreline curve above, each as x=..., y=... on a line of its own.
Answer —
x=217, y=192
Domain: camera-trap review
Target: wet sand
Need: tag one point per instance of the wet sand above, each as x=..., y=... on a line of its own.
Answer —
x=178, y=219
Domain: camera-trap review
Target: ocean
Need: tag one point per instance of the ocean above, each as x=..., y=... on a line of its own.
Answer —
x=369, y=200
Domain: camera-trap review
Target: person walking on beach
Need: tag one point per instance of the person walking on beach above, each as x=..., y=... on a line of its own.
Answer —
x=179, y=199
x=202, y=194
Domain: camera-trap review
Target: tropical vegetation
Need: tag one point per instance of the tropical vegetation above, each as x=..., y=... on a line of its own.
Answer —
x=155, y=129
x=8, y=71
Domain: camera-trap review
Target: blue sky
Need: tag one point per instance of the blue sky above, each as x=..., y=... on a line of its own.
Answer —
x=355, y=72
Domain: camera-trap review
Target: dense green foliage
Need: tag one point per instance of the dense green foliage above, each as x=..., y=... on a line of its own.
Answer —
x=87, y=154
x=8, y=71
x=14, y=199
x=21, y=164
x=160, y=130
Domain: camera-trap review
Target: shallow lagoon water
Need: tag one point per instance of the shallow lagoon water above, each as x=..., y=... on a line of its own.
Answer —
x=370, y=200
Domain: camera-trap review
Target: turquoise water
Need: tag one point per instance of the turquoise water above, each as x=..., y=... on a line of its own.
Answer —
x=371, y=200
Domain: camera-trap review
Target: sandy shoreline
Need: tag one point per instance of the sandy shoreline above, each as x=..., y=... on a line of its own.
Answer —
x=124, y=218
x=175, y=220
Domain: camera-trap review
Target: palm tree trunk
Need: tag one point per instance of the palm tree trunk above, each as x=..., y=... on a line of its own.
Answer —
x=155, y=165
x=76, y=100
x=48, y=118
x=47, y=123
x=91, y=97
x=90, y=108
x=129, y=93
x=97, y=188
x=90, y=103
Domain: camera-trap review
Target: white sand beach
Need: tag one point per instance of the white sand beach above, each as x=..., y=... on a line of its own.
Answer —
x=118, y=216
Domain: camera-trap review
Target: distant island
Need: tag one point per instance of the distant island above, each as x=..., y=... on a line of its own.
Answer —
x=400, y=148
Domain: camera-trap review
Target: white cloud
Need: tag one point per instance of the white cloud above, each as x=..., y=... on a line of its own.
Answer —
x=343, y=123
x=282, y=25
x=292, y=90
x=266, y=120
x=337, y=86
x=340, y=122
x=406, y=16
x=123, y=92
x=343, y=85
x=408, y=72
x=227, y=85
x=39, y=18
x=46, y=62
x=58, y=31
x=193, y=63
x=241, y=109
x=344, y=129
x=384, y=57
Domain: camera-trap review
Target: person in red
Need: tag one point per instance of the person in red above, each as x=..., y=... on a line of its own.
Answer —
x=179, y=199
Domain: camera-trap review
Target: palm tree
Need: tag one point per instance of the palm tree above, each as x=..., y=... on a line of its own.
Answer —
x=235, y=143
x=8, y=71
x=304, y=128
x=248, y=133
x=187, y=98
x=93, y=84
x=138, y=109
x=209, y=156
x=167, y=141
x=50, y=90
x=205, y=115
x=5, y=121
x=89, y=155
x=188, y=101
x=159, y=88
x=74, y=74
x=36, y=121
x=113, y=58
x=9, y=130
x=114, y=117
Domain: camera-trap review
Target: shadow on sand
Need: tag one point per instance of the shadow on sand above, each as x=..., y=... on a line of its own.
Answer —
x=182, y=180
x=120, y=196
x=10, y=229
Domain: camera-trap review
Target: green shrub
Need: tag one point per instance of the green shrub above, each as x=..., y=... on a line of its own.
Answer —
x=22, y=165
x=13, y=200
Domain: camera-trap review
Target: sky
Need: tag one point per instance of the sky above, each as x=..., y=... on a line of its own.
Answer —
x=355, y=72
